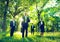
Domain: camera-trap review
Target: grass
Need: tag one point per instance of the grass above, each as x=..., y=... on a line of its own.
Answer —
x=47, y=37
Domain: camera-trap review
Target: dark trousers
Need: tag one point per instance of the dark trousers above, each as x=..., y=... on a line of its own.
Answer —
x=24, y=30
x=32, y=31
x=12, y=31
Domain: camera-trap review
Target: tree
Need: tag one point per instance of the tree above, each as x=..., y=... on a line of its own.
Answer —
x=5, y=13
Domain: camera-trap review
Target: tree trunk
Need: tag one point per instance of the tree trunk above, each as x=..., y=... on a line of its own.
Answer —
x=5, y=13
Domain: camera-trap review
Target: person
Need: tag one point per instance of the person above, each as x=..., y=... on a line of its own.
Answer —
x=32, y=29
x=25, y=22
x=41, y=26
x=12, y=26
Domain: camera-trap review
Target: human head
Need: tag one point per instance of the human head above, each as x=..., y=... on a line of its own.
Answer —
x=25, y=13
x=41, y=19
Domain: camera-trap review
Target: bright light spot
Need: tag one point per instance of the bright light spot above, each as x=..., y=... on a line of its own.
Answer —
x=57, y=14
x=20, y=21
x=16, y=16
x=14, y=3
x=31, y=21
x=51, y=3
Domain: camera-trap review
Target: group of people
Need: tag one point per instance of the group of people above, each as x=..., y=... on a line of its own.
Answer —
x=25, y=25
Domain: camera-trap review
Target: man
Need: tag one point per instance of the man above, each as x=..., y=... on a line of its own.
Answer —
x=32, y=29
x=12, y=25
x=41, y=26
x=25, y=24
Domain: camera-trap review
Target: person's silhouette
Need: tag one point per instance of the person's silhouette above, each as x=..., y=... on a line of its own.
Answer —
x=25, y=24
x=32, y=29
x=12, y=26
x=41, y=26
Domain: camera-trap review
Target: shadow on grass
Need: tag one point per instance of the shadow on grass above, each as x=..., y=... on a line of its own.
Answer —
x=1, y=41
x=23, y=40
x=30, y=39
x=52, y=37
x=12, y=39
x=36, y=38
x=49, y=37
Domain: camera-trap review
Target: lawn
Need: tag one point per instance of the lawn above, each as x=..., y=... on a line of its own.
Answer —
x=47, y=37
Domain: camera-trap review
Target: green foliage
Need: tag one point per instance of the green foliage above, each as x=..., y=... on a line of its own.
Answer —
x=58, y=1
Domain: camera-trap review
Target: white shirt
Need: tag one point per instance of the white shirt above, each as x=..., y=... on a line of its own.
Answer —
x=41, y=22
x=13, y=23
x=25, y=19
